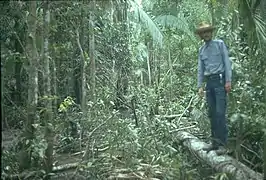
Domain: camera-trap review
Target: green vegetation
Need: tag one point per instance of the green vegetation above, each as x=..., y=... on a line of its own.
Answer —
x=91, y=83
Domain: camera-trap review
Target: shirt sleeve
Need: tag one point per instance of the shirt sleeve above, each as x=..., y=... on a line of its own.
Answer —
x=200, y=71
x=227, y=63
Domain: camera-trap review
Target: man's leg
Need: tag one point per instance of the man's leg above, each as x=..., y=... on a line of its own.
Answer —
x=222, y=131
x=211, y=103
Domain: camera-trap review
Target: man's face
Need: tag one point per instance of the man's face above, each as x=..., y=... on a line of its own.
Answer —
x=206, y=35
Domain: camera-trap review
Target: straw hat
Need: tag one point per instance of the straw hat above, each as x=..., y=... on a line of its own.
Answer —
x=204, y=26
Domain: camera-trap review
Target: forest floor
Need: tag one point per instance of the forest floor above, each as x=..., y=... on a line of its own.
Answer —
x=10, y=137
x=115, y=170
x=71, y=163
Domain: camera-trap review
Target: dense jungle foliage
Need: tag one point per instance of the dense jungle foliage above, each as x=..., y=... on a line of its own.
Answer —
x=98, y=89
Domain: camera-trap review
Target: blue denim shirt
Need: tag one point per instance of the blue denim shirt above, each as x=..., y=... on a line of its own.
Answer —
x=213, y=59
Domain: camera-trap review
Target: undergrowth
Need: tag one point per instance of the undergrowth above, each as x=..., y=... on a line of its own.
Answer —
x=115, y=146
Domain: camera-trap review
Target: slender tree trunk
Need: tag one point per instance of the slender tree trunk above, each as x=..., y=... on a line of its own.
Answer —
x=18, y=64
x=80, y=42
x=171, y=72
x=2, y=97
x=91, y=52
x=112, y=12
x=212, y=12
x=54, y=86
x=77, y=80
x=141, y=78
x=264, y=155
x=25, y=155
x=264, y=148
x=157, y=81
x=148, y=65
x=47, y=93
x=263, y=14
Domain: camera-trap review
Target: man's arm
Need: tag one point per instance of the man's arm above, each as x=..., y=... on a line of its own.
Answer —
x=227, y=63
x=200, y=72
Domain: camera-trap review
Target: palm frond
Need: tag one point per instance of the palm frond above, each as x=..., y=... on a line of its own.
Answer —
x=255, y=21
x=260, y=26
x=179, y=22
x=143, y=17
x=167, y=20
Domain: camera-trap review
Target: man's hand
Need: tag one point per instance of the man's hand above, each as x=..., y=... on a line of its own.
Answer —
x=227, y=86
x=201, y=92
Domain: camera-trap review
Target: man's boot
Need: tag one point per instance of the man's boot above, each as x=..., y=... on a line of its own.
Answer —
x=221, y=151
x=210, y=147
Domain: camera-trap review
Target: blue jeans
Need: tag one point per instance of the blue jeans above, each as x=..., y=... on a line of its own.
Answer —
x=216, y=101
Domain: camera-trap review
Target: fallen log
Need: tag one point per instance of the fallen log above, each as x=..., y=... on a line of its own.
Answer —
x=40, y=173
x=222, y=163
x=23, y=175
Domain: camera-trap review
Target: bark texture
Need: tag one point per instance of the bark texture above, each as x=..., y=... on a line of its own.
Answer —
x=2, y=96
x=264, y=155
x=91, y=53
x=222, y=163
x=32, y=116
x=47, y=93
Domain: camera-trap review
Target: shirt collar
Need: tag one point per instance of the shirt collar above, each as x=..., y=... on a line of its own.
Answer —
x=209, y=42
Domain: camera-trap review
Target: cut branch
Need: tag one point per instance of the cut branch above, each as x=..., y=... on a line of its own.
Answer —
x=170, y=117
x=183, y=128
x=190, y=102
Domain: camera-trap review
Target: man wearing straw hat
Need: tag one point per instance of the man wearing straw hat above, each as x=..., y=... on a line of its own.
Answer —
x=214, y=67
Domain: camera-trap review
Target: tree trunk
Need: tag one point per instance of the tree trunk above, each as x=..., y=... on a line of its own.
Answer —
x=25, y=155
x=264, y=154
x=2, y=97
x=157, y=81
x=18, y=64
x=80, y=41
x=223, y=163
x=212, y=12
x=91, y=52
x=264, y=148
x=148, y=64
x=54, y=87
x=48, y=162
x=77, y=79
x=171, y=72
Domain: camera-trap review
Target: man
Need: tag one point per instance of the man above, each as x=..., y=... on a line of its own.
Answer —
x=214, y=66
